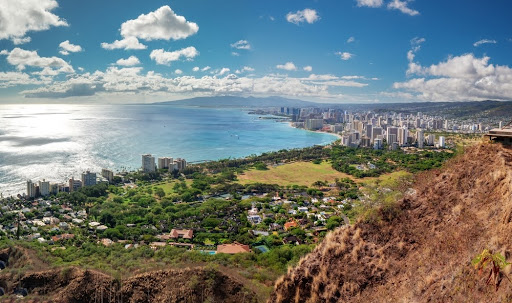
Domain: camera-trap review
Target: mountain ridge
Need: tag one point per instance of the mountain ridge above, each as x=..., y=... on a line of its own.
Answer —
x=242, y=102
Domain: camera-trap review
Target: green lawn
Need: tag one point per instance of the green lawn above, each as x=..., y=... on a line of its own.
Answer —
x=167, y=186
x=297, y=173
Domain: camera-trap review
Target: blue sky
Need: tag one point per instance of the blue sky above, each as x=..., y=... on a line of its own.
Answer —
x=344, y=51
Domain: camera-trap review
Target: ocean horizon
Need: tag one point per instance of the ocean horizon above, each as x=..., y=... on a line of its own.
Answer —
x=59, y=141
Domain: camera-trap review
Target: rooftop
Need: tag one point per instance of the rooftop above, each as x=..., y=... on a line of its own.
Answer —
x=234, y=248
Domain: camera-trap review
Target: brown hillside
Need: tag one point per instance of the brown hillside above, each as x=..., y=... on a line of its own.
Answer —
x=420, y=251
x=76, y=285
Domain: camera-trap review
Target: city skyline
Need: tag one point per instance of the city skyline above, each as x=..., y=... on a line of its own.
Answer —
x=341, y=52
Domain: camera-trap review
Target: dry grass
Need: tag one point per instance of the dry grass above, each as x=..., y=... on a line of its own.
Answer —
x=424, y=253
x=296, y=173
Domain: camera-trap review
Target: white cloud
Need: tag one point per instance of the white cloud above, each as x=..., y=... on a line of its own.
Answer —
x=131, y=81
x=165, y=58
x=344, y=55
x=19, y=17
x=18, y=41
x=351, y=39
x=308, y=68
x=51, y=65
x=223, y=71
x=205, y=68
x=324, y=77
x=287, y=66
x=244, y=69
x=331, y=80
x=66, y=48
x=235, y=54
x=162, y=24
x=130, y=61
x=307, y=15
x=241, y=44
x=402, y=6
x=460, y=78
x=195, y=69
x=370, y=3
x=413, y=67
x=8, y=79
x=178, y=72
x=484, y=41
x=126, y=43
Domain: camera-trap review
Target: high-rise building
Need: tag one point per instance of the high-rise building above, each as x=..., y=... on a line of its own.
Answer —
x=31, y=189
x=377, y=144
x=402, y=136
x=107, y=174
x=441, y=142
x=54, y=188
x=164, y=162
x=44, y=188
x=314, y=124
x=431, y=138
x=336, y=128
x=180, y=164
x=366, y=142
x=148, y=163
x=88, y=178
x=437, y=124
x=420, y=137
x=369, y=128
x=391, y=135
x=74, y=185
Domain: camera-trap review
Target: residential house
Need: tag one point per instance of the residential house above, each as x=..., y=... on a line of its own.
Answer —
x=290, y=224
x=235, y=248
x=182, y=233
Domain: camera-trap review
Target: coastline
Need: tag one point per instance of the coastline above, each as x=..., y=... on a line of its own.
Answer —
x=122, y=155
x=338, y=136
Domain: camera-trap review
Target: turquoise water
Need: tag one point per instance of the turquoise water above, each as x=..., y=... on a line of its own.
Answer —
x=56, y=142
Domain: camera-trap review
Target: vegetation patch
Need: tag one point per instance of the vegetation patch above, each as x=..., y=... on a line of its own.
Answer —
x=297, y=173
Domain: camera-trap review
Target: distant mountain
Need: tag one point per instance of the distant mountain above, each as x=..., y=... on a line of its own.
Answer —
x=460, y=109
x=242, y=102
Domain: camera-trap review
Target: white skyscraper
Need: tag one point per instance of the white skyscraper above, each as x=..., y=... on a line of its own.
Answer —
x=44, y=188
x=420, y=137
x=403, y=133
x=148, y=163
x=441, y=142
x=31, y=189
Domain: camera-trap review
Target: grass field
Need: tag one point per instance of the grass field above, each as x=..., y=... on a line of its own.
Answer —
x=297, y=173
x=167, y=186
x=390, y=180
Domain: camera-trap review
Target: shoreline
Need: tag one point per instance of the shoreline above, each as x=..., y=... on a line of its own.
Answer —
x=317, y=131
x=14, y=192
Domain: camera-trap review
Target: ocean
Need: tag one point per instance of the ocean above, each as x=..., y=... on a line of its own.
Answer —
x=55, y=142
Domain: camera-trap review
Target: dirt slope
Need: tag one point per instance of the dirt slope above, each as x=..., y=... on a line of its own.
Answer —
x=76, y=285
x=422, y=250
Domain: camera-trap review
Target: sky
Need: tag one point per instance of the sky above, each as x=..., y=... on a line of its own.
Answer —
x=336, y=51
